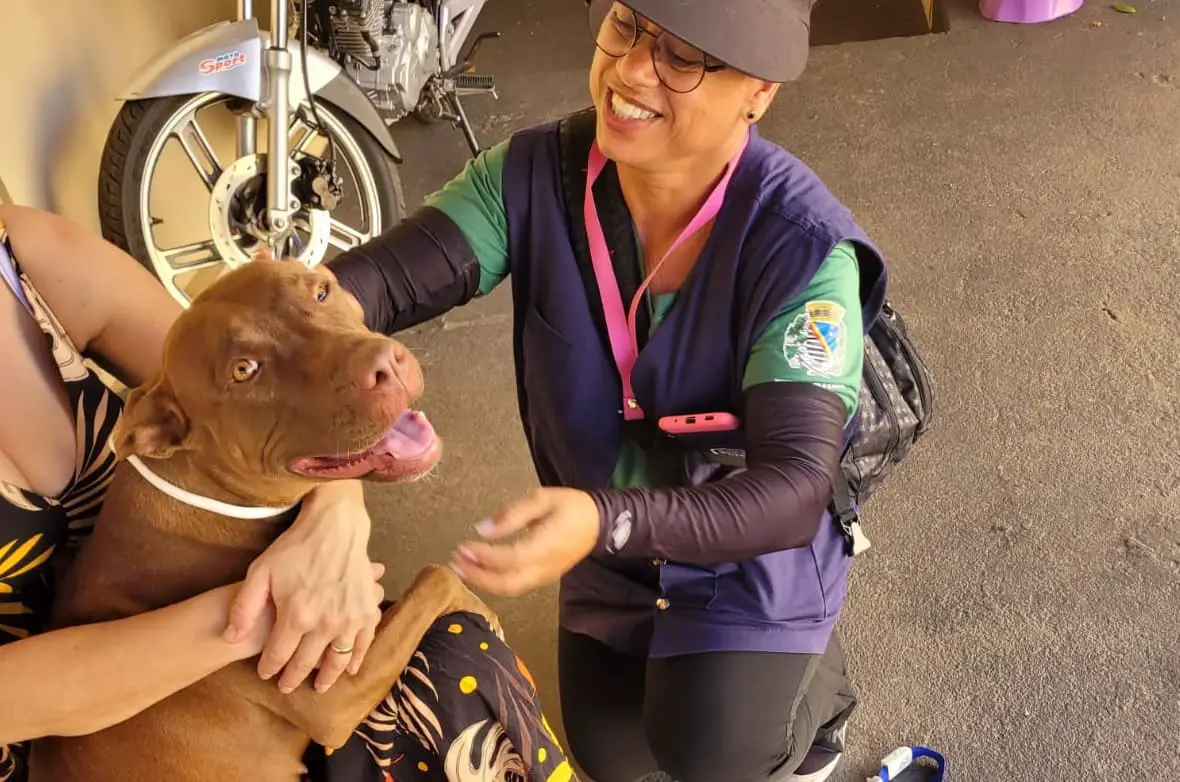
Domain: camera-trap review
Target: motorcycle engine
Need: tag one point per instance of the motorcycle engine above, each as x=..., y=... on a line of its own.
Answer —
x=392, y=48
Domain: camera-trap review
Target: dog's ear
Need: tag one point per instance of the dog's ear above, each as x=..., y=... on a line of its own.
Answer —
x=153, y=425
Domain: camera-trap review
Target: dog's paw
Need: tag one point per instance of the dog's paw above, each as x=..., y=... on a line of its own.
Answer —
x=496, y=626
x=441, y=582
x=436, y=580
x=467, y=602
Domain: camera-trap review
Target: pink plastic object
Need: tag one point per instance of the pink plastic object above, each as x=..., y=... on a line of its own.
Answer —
x=699, y=423
x=1027, y=11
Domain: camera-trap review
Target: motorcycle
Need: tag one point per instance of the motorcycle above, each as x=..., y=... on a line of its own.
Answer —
x=326, y=83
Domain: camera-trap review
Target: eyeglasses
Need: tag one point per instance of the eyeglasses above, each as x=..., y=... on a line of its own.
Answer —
x=679, y=66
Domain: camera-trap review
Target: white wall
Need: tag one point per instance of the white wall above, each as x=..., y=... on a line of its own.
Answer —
x=62, y=62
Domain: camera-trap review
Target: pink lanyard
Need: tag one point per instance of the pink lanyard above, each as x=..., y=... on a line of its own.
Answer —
x=620, y=327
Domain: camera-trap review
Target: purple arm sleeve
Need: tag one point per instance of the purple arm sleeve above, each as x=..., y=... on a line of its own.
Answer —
x=795, y=435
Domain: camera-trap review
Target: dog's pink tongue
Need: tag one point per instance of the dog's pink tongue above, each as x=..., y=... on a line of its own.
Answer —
x=411, y=435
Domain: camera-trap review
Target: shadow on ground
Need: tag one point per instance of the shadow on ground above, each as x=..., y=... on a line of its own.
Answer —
x=1019, y=607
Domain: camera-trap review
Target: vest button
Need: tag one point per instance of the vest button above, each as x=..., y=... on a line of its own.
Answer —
x=659, y=562
x=662, y=603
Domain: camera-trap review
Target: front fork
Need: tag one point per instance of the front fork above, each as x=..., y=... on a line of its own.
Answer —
x=247, y=125
x=279, y=203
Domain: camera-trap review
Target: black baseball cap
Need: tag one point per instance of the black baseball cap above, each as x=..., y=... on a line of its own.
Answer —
x=767, y=39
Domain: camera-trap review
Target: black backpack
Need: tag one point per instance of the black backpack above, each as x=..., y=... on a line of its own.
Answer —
x=895, y=409
x=896, y=395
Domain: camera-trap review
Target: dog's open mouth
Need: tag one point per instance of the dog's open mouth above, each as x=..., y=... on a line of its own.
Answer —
x=409, y=445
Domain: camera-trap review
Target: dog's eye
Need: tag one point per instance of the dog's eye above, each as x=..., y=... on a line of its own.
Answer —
x=244, y=369
x=321, y=291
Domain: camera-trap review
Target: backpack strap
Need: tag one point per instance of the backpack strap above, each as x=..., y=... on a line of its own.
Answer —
x=575, y=136
x=846, y=516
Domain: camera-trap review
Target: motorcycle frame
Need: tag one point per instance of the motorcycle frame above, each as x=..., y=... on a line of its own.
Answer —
x=279, y=204
x=451, y=42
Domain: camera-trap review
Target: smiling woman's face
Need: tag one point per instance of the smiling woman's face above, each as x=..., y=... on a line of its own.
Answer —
x=645, y=125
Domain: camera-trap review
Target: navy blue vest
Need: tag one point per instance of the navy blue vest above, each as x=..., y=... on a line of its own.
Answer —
x=777, y=225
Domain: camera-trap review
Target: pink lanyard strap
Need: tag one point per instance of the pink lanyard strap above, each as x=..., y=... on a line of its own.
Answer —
x=621, y=327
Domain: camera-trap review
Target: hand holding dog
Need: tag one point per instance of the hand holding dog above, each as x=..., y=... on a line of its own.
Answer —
x=324, y=589
x=560, y=526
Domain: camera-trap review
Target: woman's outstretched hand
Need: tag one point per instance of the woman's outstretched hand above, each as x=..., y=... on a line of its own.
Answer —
x=559, y=528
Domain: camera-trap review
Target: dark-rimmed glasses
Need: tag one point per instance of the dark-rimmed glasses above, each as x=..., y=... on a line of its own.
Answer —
x=681, y=67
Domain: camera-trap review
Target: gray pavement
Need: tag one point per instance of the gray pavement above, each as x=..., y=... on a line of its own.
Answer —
x=1020, y=608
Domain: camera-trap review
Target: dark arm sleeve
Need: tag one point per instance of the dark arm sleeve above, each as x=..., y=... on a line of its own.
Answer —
x=795, y=437
x=417, y=270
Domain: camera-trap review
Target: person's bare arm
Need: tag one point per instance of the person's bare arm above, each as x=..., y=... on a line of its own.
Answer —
x=83, y=679
x=109, y=304
x=116, y=310
x=80, y=680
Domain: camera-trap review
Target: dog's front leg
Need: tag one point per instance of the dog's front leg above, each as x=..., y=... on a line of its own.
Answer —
x=330, y=718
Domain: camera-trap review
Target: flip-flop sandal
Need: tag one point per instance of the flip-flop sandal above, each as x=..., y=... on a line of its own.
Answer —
x=902, y=765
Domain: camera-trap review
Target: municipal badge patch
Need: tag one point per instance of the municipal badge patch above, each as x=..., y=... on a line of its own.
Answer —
x=815, y=339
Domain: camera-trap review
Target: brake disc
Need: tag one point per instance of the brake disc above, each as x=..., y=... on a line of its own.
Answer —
x=231, y=211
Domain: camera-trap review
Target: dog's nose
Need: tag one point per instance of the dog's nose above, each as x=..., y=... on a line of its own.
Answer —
x=388, y=365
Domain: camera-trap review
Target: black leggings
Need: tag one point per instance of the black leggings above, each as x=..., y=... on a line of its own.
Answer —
x=722, y=717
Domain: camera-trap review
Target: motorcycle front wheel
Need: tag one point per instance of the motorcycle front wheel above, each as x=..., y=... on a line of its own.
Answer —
x=138, y=181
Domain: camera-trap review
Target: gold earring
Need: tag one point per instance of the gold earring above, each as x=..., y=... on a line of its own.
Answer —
x=751, y=116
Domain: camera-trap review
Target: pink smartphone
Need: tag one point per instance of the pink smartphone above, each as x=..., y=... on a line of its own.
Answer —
x=699, y=423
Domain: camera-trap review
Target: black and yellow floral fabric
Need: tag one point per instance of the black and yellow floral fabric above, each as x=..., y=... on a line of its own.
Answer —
x=465, y=710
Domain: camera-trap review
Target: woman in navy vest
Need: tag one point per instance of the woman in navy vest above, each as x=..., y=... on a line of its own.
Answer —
x=689, y=312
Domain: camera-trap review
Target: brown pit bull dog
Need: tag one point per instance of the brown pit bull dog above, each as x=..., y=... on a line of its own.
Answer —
x=270, y=385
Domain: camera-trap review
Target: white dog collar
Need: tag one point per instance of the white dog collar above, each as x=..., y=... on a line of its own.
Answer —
x=204, y=503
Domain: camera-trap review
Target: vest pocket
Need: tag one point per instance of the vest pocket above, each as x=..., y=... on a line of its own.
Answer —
x=564, y=409
x=546, y=358
x=541, y=334
x=785, y=586
x=689, y=586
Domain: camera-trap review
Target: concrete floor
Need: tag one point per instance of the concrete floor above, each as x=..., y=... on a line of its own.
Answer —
x=1021, y=605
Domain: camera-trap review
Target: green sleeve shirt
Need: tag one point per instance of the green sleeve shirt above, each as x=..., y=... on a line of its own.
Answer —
x=817, y=338
x=475, y=201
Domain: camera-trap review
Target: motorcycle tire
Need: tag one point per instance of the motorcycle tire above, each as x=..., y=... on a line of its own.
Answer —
x=136, y=128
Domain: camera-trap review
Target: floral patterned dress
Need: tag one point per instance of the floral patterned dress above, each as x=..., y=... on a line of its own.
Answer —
x=465, y=709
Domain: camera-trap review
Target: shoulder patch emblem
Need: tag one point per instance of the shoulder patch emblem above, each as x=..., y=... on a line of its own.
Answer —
x=815, y=339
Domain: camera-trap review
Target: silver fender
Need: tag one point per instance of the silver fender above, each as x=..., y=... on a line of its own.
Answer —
x=230, y=58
